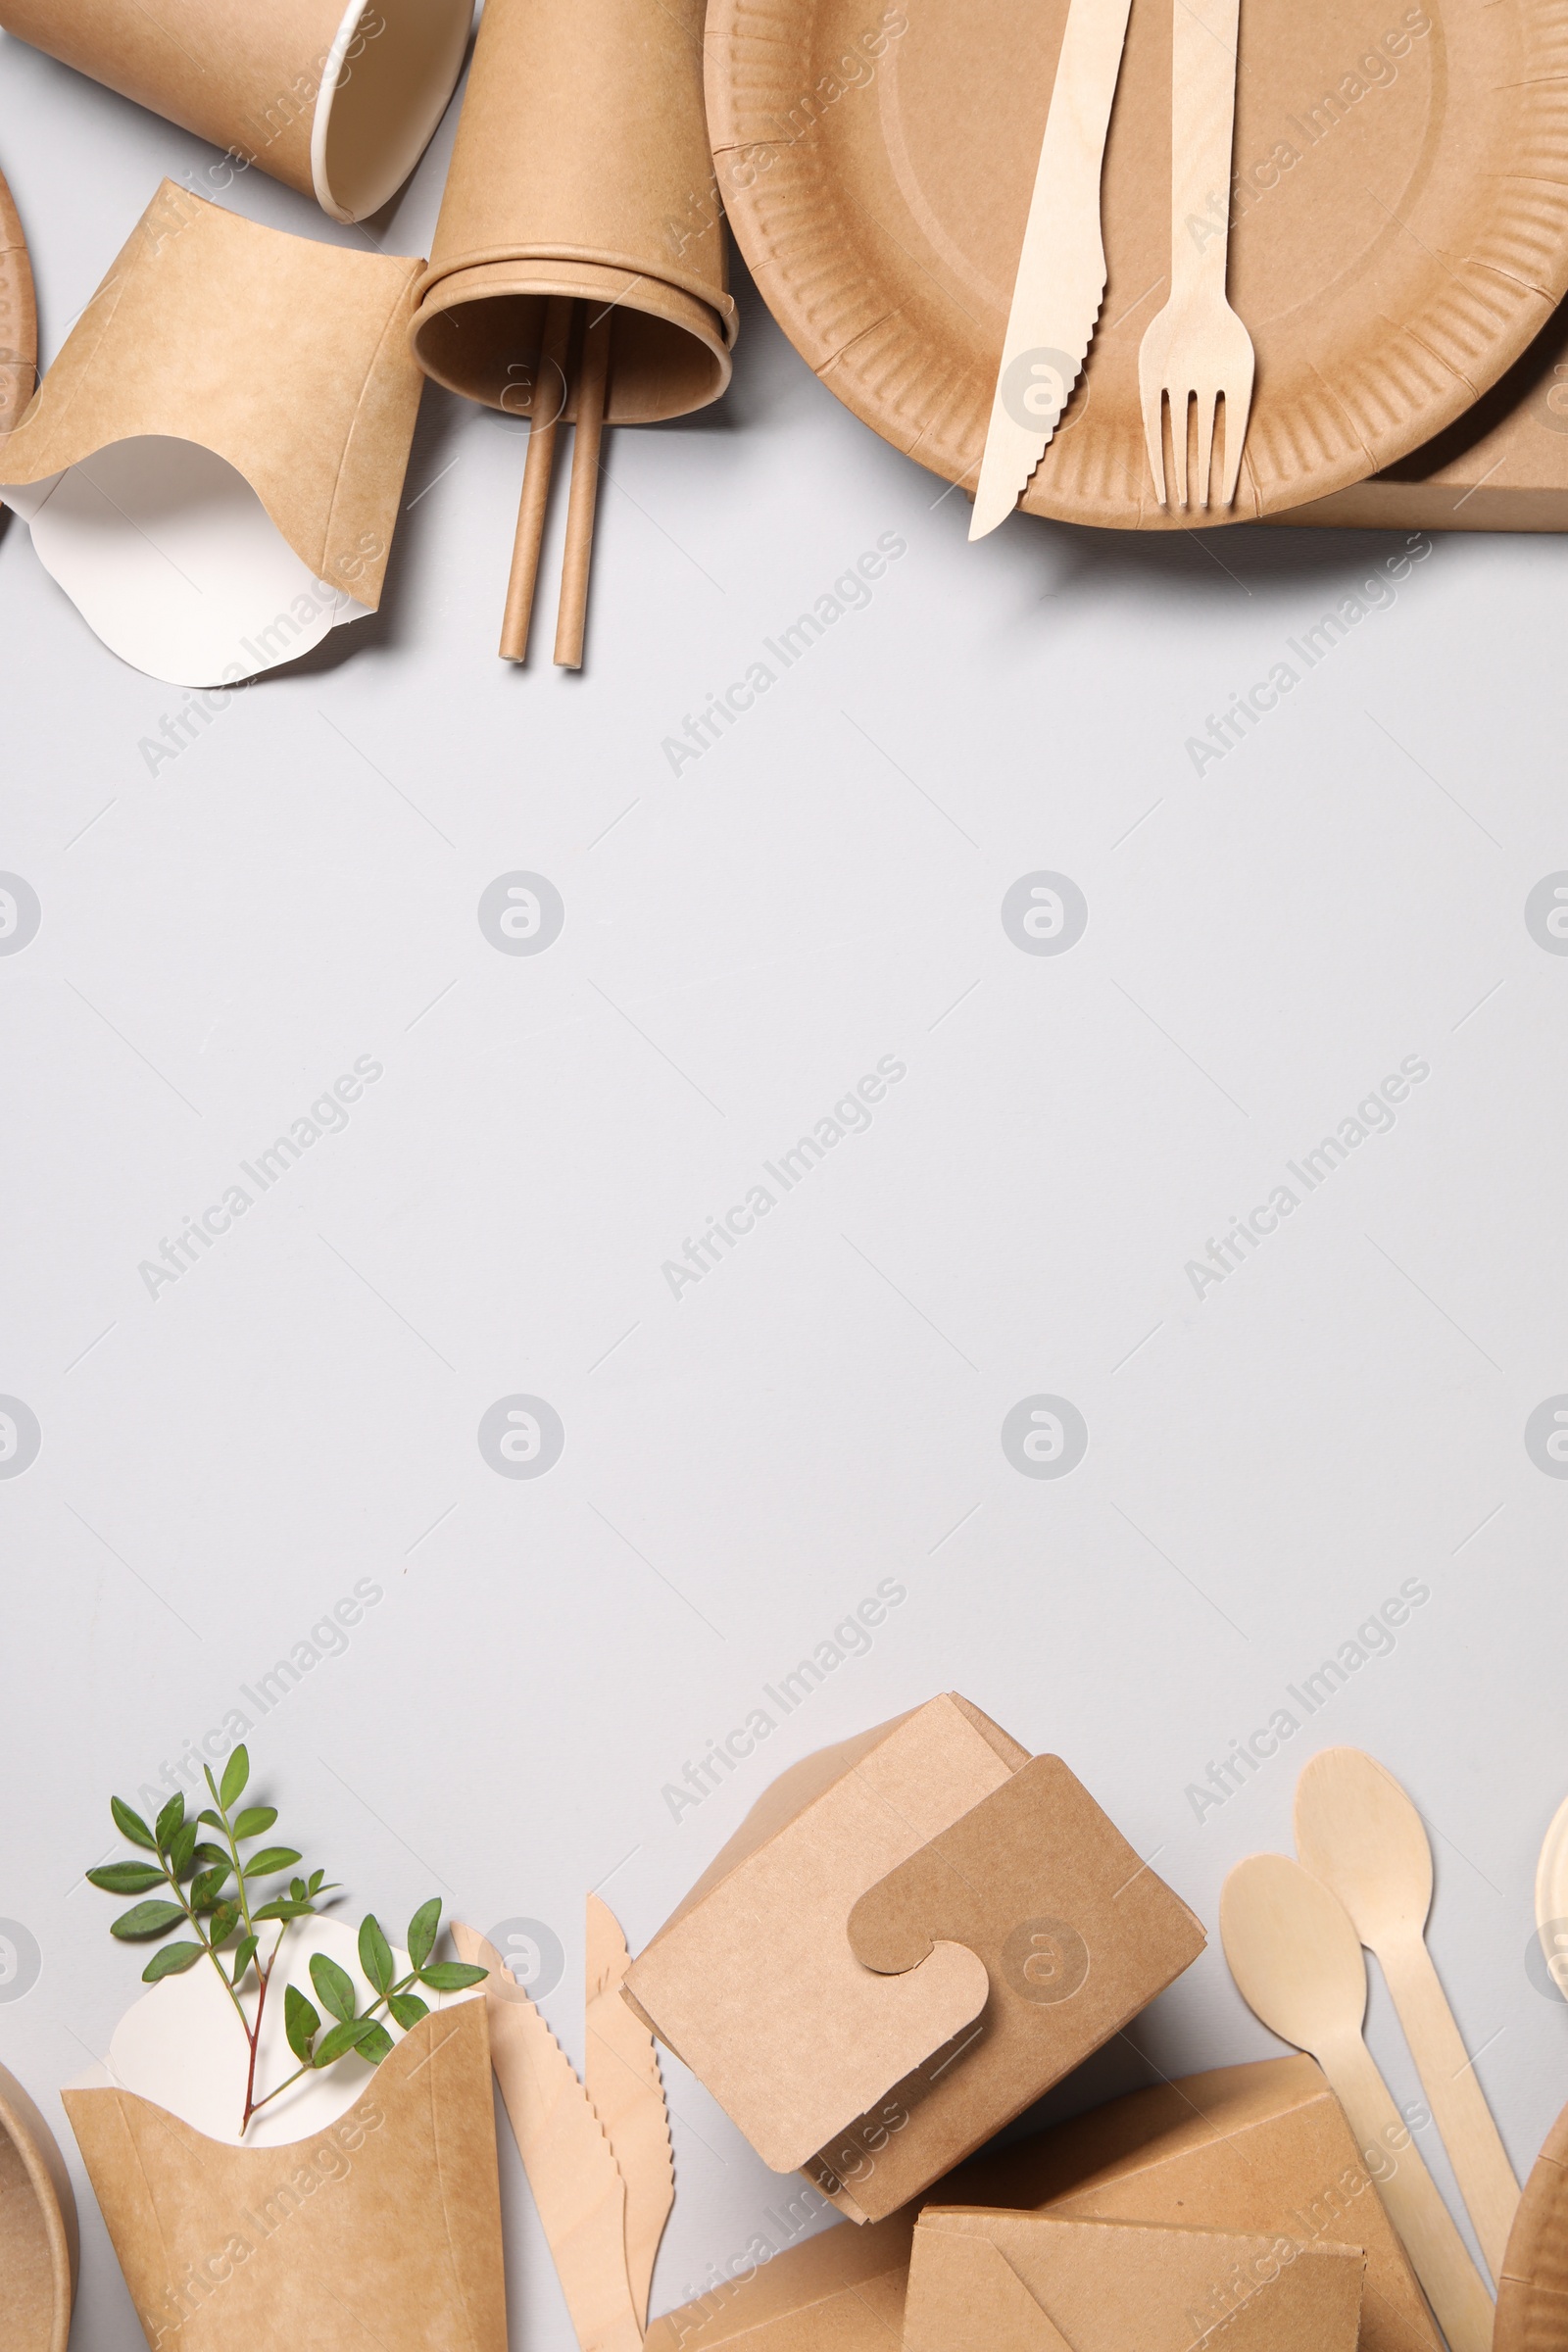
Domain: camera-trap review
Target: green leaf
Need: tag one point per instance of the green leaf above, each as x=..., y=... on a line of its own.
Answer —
x=172, y=1961
x=407, y=2010
x=300, y=2020
x=182, y=1848
x=214, y=1821
x=334, y=1986
x=206, y=1886
x=317, y=1881
x=126, y=1878
x=207, y=1775
x=236, y=1772
x=271, y=1858
x=424, y=1928
x=207, y=1855
x=253, y=1820
x=343, y=2037
x=375, y=2046
x=282, y=1906
x=170, y=1819
x=131, y=1825
x=146, y=1919
x=244, y=1953
x=452, y=1976
x=226, y=1918
x=375, y=1956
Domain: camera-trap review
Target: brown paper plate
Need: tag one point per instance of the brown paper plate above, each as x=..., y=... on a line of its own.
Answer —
x=1400, y=207
x=39, y=2243
x=18, y=318
x=1533, y=2291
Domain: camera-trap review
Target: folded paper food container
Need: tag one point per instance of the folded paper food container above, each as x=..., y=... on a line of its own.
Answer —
x=38, y=2238
x=582, y=168
x=910, y=1937
x=1533, y=2291
x=211, y=468
x=982, y=2280
x=339, y=102
x=381, y=2230
x=1262, y=2150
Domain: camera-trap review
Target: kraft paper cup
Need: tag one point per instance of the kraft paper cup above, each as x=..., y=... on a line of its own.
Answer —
x=339, y=102
x=582, y=167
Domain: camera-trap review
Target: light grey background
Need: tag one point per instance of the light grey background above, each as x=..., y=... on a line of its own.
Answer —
x=743, y=1463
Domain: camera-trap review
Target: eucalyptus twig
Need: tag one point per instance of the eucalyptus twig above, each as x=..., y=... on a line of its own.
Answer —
x=197, y=1875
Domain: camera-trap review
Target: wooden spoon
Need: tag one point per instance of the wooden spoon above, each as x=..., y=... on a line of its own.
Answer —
x=1298, y=1964
x=1357, y=1830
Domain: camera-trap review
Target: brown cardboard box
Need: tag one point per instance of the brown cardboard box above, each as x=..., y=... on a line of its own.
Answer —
x=1503, y=467
x=982, y=2280
x=1260, y=2150
x=383, y=2229
x=948, y=1927
x=39, y=2236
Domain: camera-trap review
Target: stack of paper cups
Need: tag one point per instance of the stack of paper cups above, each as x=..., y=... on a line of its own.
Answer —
x=582, y=168
x=338, y=101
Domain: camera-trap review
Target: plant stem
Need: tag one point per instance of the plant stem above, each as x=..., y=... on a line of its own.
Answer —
x=381, y=2001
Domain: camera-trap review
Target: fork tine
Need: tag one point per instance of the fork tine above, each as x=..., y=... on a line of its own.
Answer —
x=1238, y=407
x=1178, y=442
x=1154, y=407
x=1207, y=403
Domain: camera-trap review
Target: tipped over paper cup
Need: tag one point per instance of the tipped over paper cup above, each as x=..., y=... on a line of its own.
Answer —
x=338, y=101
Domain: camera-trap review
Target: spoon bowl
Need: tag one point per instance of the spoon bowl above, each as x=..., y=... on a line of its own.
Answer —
x=1357, y=1830
x=1295, y=1955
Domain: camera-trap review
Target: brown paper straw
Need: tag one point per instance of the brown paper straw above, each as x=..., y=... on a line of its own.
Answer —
x=549, y=404
x=571, y=616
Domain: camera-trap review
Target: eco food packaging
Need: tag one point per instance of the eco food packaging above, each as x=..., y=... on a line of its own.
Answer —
x=950, y=1925
x=38, y=2238
x=19, y=317
x=1260, y=2151
x=1502, y=466
x=212, y=467
x=987, y=2281
x=581, y=177
x=1533, y=2291
x=381, y=2229
x=337, y=102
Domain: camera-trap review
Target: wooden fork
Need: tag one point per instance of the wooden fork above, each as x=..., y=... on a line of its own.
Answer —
x=1197, y=348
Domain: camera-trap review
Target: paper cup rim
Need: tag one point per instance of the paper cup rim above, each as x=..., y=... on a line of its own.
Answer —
x=428, y=102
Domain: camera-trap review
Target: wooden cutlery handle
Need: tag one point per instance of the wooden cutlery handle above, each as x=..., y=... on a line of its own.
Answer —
x=1452, y=2283
x=1479, y=2160
x=1203, y=36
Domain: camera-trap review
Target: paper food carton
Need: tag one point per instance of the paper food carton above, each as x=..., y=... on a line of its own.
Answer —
x=582, y=168
x=211, y=468
x=38, y=2238
x=910, y=1939
x=363, y=2208
x=1260, y=2150
x=1503, y=467
x=987, y=2281
x=339, y=102
x=19, y=317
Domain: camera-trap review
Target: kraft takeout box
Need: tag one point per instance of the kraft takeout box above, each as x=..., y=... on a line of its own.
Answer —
x=211, y=468
x=383, y=2229
x=981, y=2280
x=582, y=168
x=338, y=101
x=1503, y=467
x=39, y=2236
x=910, y=1939
x=1260, y=2150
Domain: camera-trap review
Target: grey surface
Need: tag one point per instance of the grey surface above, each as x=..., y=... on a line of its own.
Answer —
x=742, y=1463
